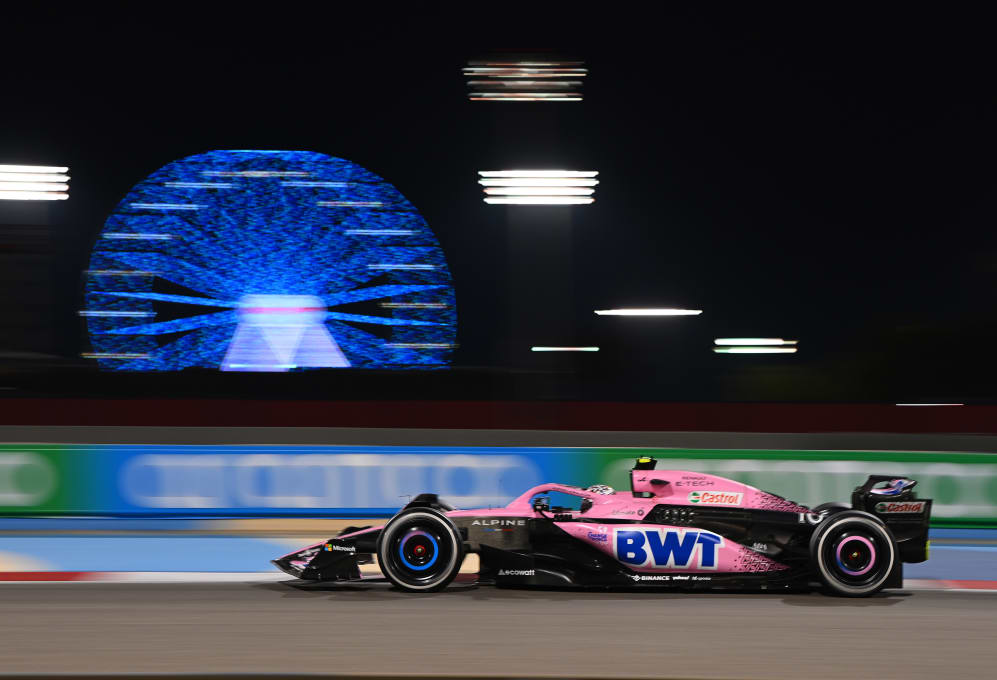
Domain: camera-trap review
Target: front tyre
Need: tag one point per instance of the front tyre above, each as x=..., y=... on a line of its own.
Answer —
x=420, y=550
x=853, y=553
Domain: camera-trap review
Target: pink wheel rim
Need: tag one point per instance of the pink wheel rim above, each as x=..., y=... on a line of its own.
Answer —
x=872, y=555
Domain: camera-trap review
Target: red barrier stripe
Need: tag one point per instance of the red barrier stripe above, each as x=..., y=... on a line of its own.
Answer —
x=949, y=584
x=47, y=575
x=971, y=585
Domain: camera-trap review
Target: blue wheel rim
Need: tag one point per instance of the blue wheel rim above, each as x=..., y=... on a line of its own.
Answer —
x=414, y=567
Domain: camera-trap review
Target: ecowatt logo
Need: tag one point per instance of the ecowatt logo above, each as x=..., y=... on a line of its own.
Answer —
x=716, y=497
x=517, y=572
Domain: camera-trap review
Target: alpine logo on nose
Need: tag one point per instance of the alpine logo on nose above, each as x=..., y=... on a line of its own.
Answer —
x=667, y=548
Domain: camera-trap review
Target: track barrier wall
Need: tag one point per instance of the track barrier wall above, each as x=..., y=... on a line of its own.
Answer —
x=369, y=481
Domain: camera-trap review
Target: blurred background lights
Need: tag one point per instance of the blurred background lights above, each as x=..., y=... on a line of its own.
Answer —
x=520, y=79
x=537, y=182
x=538, y=191
x=538, y=200
x=753, y=341
x=540, y=173
x=754, y=346
x=538, y=187
x=755, y=350
x=652, y=311
x=542, y=348
x=33, y=183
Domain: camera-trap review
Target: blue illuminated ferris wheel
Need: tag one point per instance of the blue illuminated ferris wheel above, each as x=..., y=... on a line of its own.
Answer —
x=267, y=261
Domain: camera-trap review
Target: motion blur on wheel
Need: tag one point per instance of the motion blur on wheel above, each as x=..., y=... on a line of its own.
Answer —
x=420, y=550
x=674, y=529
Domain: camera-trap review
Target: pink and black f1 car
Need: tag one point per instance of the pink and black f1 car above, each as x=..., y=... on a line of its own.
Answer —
x=675, y=529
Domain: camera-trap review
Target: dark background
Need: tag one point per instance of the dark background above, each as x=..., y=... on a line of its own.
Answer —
x=822, y=174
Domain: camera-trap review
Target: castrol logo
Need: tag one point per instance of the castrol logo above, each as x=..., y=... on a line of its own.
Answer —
x=716, y=497
x=908, y=507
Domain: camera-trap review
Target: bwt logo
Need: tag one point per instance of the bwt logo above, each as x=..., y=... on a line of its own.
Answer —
x=668, y=548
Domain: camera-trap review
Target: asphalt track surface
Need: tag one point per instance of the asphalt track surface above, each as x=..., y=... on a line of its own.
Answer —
x=272, y=627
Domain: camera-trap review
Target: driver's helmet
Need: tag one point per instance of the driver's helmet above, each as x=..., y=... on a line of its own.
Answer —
x=601, y=489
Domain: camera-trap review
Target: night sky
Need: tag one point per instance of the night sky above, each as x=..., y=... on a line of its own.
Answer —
x=822, y=174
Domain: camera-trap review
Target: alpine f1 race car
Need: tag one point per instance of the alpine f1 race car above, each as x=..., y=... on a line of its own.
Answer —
x=674, y=529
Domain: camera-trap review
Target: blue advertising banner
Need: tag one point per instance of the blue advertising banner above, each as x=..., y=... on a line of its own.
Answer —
x=302, y=480
x=345, y=481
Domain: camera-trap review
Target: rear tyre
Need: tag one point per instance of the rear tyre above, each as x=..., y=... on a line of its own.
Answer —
x=853, y=553
x=420, y=550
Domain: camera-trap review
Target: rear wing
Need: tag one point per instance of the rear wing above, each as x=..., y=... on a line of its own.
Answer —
x=891, y=498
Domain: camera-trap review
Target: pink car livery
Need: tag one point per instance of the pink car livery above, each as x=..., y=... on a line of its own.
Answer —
x=673, y=529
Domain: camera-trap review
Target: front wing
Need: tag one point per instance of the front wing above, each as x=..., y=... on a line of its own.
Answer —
x=336, y=559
